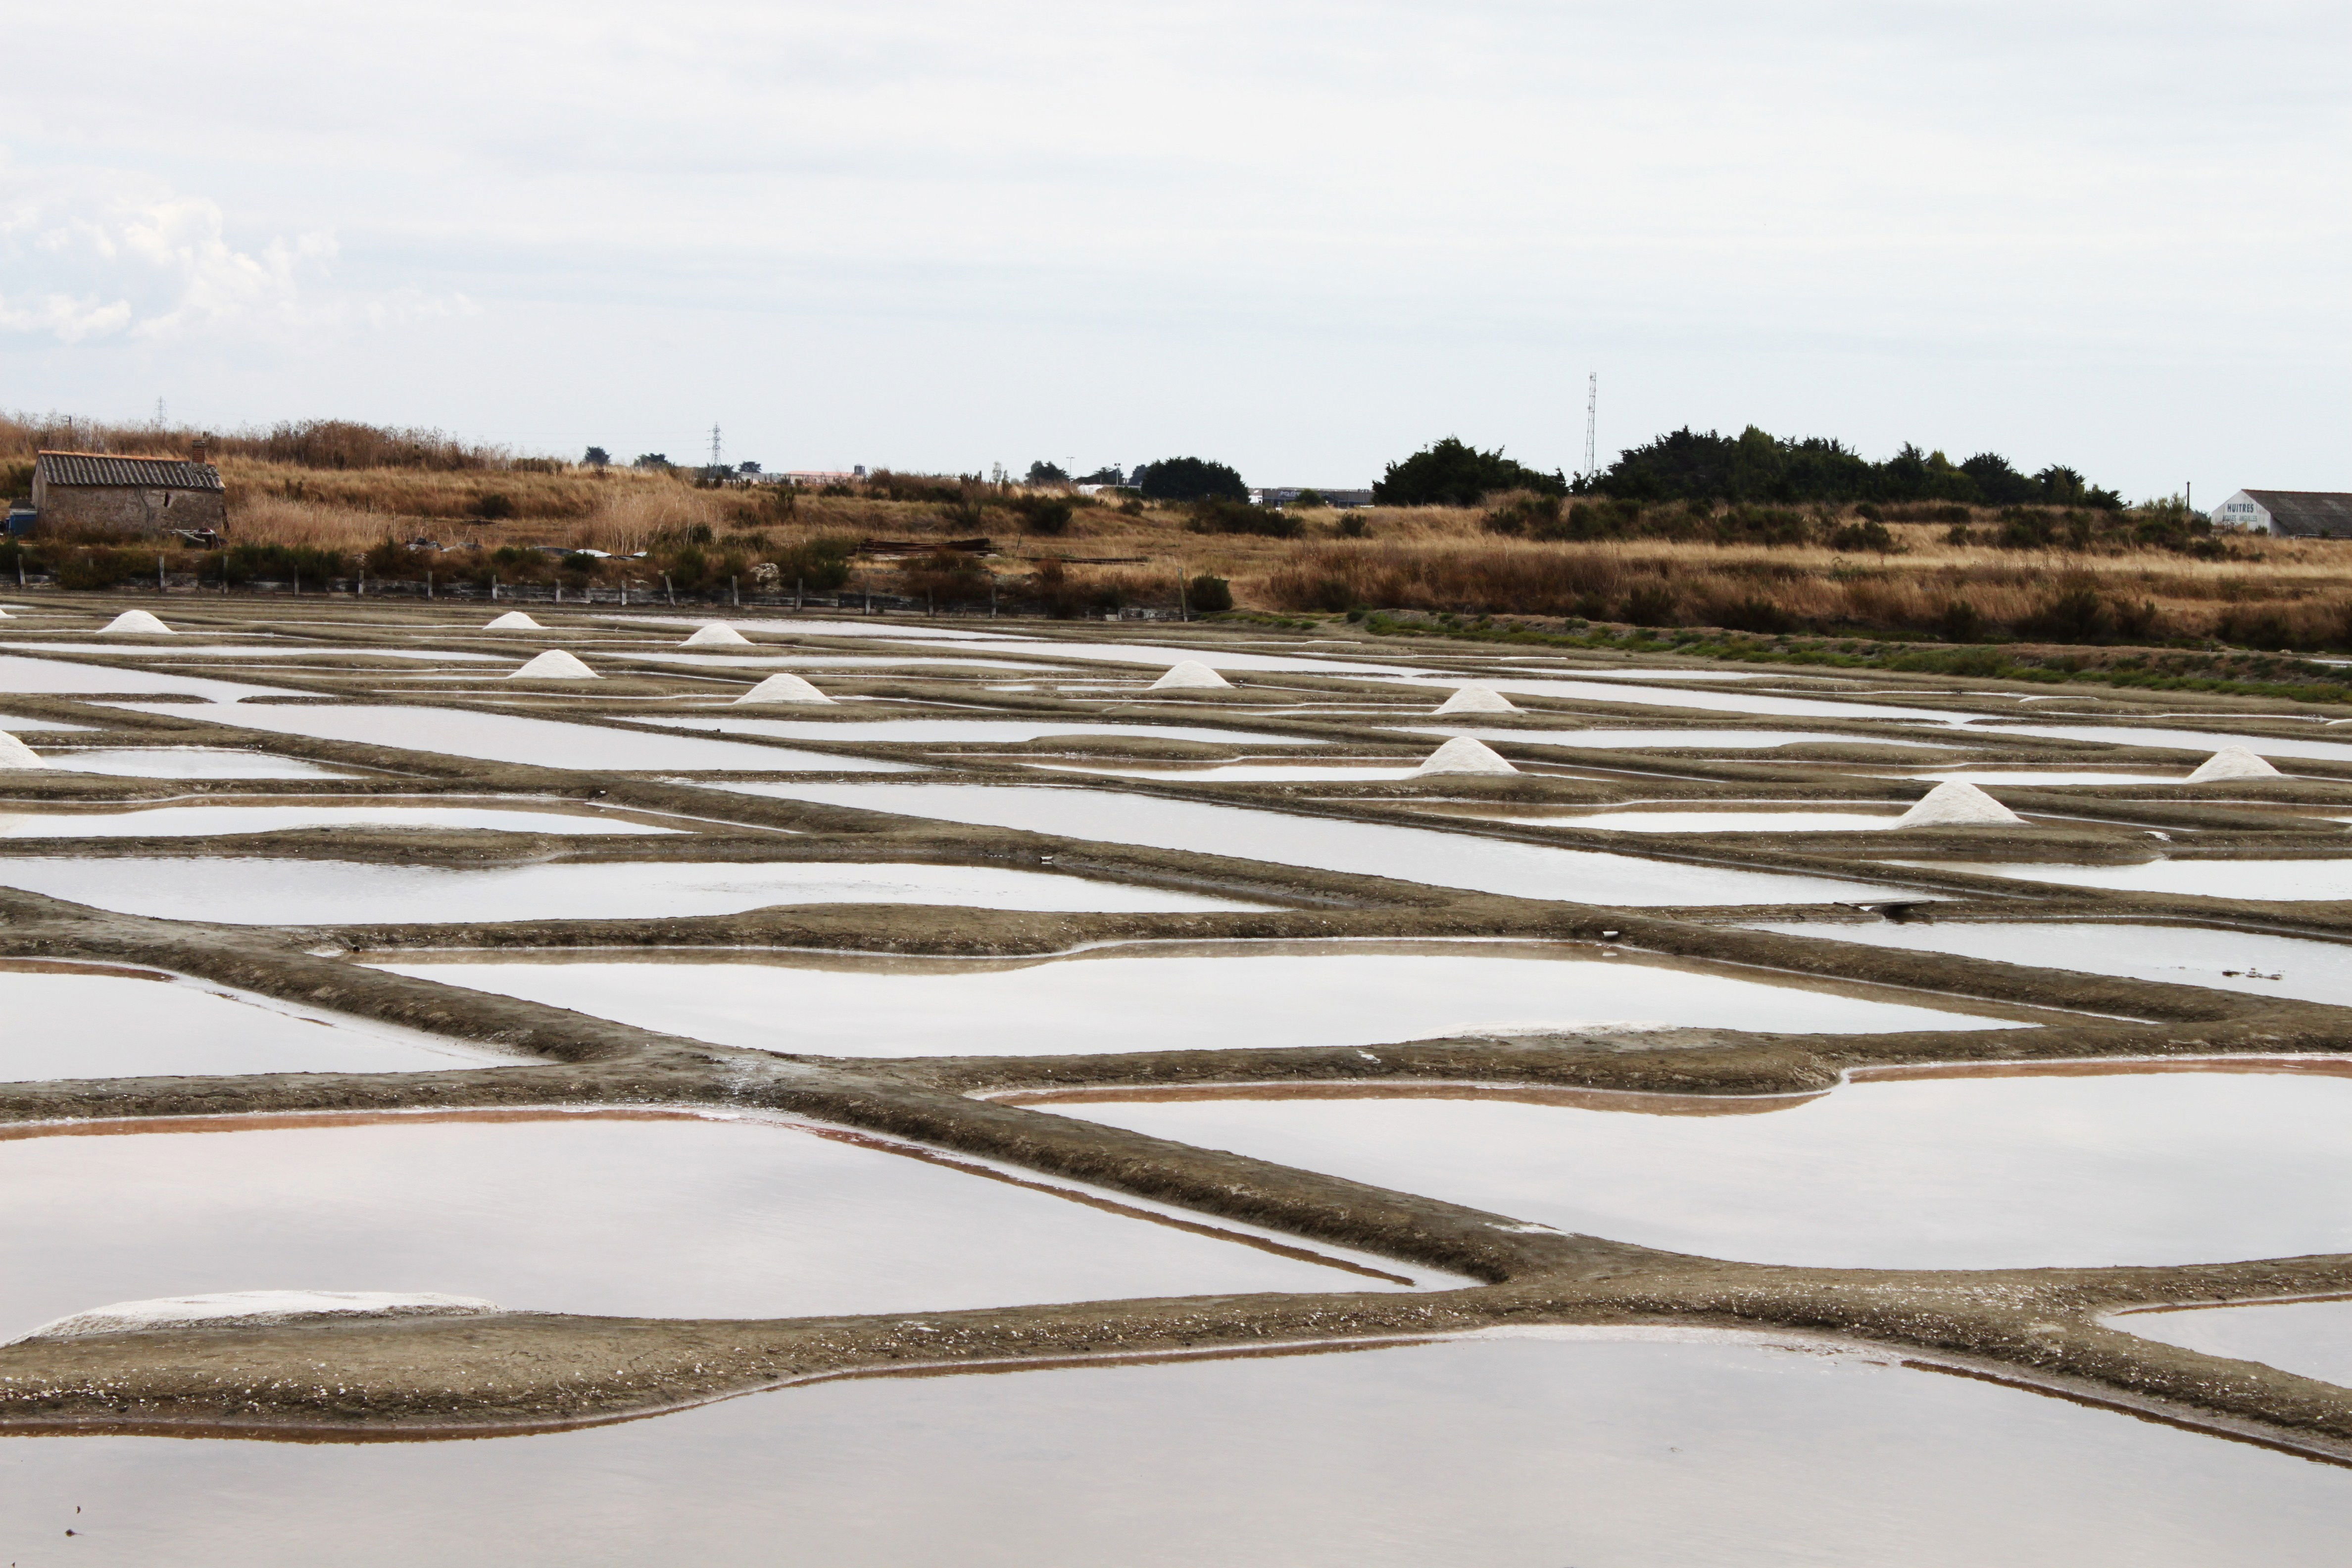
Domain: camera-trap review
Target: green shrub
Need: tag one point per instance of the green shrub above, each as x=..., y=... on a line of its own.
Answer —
x=1240, y=517
x=1208, y=595
x=1047, y=515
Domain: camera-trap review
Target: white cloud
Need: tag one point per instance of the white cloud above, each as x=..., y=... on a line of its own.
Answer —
x=165, y=268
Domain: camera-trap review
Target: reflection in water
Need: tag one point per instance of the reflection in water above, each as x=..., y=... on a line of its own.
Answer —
x=2249, y=961
x=1530, y=1452
x=1268, y=995
x=629, y=1214
x=2313, y=1338
x=73, y=1021
x=1411, y=854
x=203, y=821
x=2263, y=879
x=2025, y=1169
x=255, y=891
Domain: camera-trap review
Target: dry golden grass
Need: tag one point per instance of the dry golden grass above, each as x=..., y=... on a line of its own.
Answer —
x=1429, y=558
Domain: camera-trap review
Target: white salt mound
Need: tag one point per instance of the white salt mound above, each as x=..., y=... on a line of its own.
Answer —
x=1190, y=674
x=1464, y=755
x=1955, y=804
x=255, y=1308
x=554, y=665
x=1478, y=699
x=717, y=634
x=14, y=754
x=784, y=687
x=135, y=623
x=514, y=621
x=2233, y=763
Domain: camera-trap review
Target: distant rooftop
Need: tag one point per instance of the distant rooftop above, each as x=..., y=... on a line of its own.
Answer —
x=141, y=473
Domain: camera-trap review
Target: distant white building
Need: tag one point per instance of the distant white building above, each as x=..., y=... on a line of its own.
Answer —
x=1286, y=495
x=2300, y=514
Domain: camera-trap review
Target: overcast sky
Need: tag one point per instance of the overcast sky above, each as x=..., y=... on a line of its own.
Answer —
x=1304, y=239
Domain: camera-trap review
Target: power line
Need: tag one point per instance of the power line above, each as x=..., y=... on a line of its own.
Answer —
x=714, y=444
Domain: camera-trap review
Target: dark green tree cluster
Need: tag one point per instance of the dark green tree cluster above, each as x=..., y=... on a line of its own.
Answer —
x=1758, y=466
x=1189, y=479
x=1453, y=473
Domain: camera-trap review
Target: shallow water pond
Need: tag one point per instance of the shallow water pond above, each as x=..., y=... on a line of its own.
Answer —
x=979, y=730
x=1250, y=773
x=186, y=763
x=2263, y=879
x=610, y=1213
x=533, y=742
x=1945, y=1172
x=259, y=892
x=1259, y=994
x=1531, y=1452
x=177, y=821
x=2052, y=776
x=264, y=650
x=57, y=675
x=2178, y=955
x=1773, y=703
x=1410, y=854
x=1710, y=819
x=1669, y=740
x=110, y=1021
x=2311, y=1339
x=2178, y=740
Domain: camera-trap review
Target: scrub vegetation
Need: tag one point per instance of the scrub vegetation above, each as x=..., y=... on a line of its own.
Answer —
x=1754, y=534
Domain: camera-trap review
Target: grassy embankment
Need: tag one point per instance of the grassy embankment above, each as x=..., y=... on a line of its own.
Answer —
x=2092, y=602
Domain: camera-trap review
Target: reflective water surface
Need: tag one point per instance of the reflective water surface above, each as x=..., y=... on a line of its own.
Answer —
x=983, y=729
x=1256, y=994
x=175, y=821
x=533, y=742
x=106, y=1021
x=1948, y=1172
x=258, y=892
x=2208, y=879
x=2179, y=955
x=1411, y=854
x=187, y=763
x=1672, y=740
x=1535, y=1452
x=610, y=1214
x=2313, y=1338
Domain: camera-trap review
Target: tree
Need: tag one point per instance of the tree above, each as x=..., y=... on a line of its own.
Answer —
x=1453, y=473
x=597, y=458
x=1108, y=474
x=1189, y=479
x=651, y=461
x=1042, y=472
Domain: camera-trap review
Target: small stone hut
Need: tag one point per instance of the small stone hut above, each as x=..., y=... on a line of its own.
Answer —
x=95, y=492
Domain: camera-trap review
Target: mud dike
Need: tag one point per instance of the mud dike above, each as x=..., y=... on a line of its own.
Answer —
x=1185, y=982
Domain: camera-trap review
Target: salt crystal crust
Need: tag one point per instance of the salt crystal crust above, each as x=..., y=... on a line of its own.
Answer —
x=253, y=1309
x=2233, y=763
x=513, y=621
x=1462, y=754
x=554, y=665
x=1190, y=674
x=1478, y=699
x=784, y=687
x=1955, y=804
